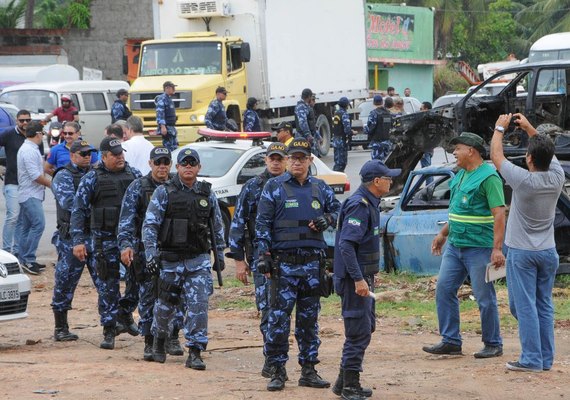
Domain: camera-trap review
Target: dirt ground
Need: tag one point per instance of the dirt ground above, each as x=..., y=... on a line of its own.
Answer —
x=33, y=366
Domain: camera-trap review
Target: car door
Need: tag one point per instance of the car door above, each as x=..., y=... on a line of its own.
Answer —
x=94, y=115
x=413, y=224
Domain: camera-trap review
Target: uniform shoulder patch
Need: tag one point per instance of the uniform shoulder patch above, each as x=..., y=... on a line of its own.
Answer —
x=354, y=221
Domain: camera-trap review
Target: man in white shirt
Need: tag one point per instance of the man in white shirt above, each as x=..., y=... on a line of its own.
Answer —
x=137, y=147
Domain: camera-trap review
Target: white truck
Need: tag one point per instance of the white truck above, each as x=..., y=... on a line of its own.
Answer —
x=267, y=49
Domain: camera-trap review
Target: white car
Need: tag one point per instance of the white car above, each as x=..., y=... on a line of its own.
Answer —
x=229, y=163
x=15, y=287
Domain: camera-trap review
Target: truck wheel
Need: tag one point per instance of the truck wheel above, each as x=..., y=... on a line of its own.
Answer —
x=324, y=129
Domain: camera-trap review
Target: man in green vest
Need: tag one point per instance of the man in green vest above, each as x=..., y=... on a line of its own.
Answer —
x=475, y=233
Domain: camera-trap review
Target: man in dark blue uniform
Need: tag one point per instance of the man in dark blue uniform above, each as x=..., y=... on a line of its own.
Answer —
x=356, y=260
x=119, y=110
x=342, y=130
x=378, y=130
x=133, y=209
x=68, y=269
x=242, y=233
x=96, y=210
x=251, y=121
x=216, y=117
x=166, y=116
x=305, y=120
x=294, y=210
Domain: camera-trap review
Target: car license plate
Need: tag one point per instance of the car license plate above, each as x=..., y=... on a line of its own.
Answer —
x=360, y=137
x=9, y=293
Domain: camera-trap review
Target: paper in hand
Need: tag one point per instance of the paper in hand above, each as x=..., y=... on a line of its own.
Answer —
x=492, y=273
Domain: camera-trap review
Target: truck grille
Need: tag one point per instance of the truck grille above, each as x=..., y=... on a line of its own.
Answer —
x=12, y=268
x=145, y=101
x=14, y=307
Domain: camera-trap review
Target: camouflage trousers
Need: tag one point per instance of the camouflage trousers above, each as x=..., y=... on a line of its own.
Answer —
x=108, y=286
x=68, y=271
x=147, y=298
x=170, y=140
x=188, y=282
x=295, y=291
x=340, y=154
x=381, y=150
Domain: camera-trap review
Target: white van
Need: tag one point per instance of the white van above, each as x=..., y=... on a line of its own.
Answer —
x=93, y=99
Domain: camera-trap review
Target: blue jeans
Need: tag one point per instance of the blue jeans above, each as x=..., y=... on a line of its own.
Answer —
x=456, y=264
x=530, y=278
x=31, y=224
x=12, y=210
x=425, y=161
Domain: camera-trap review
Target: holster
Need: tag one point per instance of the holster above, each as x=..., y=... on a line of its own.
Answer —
x=326, y=285
x=63, y=230
x=138, y=266
x=273, y=282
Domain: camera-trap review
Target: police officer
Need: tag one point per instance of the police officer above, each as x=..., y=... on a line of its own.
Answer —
x=356, y=260
x=251, y=121
x=120, y=110
x=216, y=117
x=294, y=209
x=378, y=130
x=242, y=232
x=176, y=241
x=342, y=130
x=305, y=119
x=285, y=133
x=133, y=209
x=68, y=269
x=98, y=200
x=166, y=116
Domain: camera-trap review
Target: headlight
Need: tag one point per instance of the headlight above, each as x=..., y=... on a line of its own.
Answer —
x=201, y=118
x=193, y=118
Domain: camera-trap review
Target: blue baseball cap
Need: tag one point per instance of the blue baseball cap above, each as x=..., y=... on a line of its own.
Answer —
x=377, y=99
x=187, y=153
x=343, y=102
x=376, y=169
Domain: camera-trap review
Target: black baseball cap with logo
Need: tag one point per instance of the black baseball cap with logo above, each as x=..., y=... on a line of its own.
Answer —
x=80, y=145
x=299, y=145
x=111, y=144
x=160, y=152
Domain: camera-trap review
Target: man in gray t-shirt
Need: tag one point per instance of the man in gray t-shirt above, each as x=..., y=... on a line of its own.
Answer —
x=532, y=260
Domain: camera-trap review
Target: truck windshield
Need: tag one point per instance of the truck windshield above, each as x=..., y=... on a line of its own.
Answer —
x=35, y=101
x=185, y=58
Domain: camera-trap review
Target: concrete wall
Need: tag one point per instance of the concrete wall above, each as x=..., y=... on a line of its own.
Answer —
x=112, y=23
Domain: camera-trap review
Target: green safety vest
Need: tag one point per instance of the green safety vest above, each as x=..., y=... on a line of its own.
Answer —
x=470, y=219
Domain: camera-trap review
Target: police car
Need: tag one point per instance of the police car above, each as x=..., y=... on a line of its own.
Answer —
x=15, y=288
x=230, y=159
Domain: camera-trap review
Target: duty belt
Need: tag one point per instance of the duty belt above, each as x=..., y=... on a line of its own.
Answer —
x=174, y=257
x=291, y=258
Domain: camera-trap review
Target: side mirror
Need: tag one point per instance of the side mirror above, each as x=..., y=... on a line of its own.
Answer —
x=245, y=52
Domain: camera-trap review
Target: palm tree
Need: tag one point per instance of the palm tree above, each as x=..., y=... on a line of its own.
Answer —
x=11, y=14
x=546, y=16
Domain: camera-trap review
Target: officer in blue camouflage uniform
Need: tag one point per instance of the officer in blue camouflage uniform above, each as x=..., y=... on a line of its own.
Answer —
x=133, y=209
x=342, y=130
x=378, y=130
x=242, y=232
x=166, y=116
x=305, y=120
x=251, y=121
x=294, y=209
x=356, y=260
x=119, y=110
x=216, y=117
x=96, y=210
x=68, y=269
x=176, y=238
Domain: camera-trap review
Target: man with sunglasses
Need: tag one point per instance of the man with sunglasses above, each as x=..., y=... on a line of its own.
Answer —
x=356, y=260
x=98, y=200
x=67, y=112
x=137, y=146
x=12, y=139
x=69, y=268
x=176, y=238
x=294, y=210
x=133, y=209
x=242, y=232
x=59, y=155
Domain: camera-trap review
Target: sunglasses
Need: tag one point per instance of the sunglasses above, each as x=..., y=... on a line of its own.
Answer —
x=185, y=163
x=85, y=153
x=68, y=133
x=301, y=159
x=162, y=161
x=22, y=120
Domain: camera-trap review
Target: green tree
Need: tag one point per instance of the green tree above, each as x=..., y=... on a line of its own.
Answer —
x=12, y=13
x=545, y=16
x=64, y=14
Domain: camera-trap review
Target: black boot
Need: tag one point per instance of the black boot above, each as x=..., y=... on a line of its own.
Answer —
x=338, y=385
x=173, y=345
x=266, y=370
x=126, y=323
x=310, y=378
x=147, y=352
x=61, y=332
x=277, y=381
x=108, y=342
x=194, y=360
x=352, y=389
x=158, y=350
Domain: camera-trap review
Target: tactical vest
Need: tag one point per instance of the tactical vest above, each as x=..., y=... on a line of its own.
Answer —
x=148, y=185
x=220, y=118
x=368, y=251
x=169, y=111
x=470, y=219
x=64, y=216
x=294, y=212
x=383, y=125
x=107, y=199
x=184, y=231
x=260, y=182
x=338, y=127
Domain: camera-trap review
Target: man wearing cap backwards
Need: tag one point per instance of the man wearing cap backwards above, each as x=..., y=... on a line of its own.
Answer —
x=476, y=230
x=356, y=260
x=66, y=112
x=98, y=200
x=378, y=130
x=176, y=240
x=68, y=269
x=119, y=110
x=166, y=116
x=133, y=209
x=532, y=260
x=216, y=117
x=302, y=115
x=242, y=232
x=294, y=210
x=342, y=130
x=285, y=133
x=251, y=121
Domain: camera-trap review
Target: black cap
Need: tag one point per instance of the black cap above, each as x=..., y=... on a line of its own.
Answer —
x=187, y=153
x=376, y=169
x=221, y=89
x=80, y=145
x=160, y=152
x=277, y=148
x=111, y=144
x=285, y=125
x=306, y=93
x=168, y=84
x=299, y=145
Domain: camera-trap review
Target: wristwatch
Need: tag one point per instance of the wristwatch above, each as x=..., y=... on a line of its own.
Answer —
x=500, y=128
